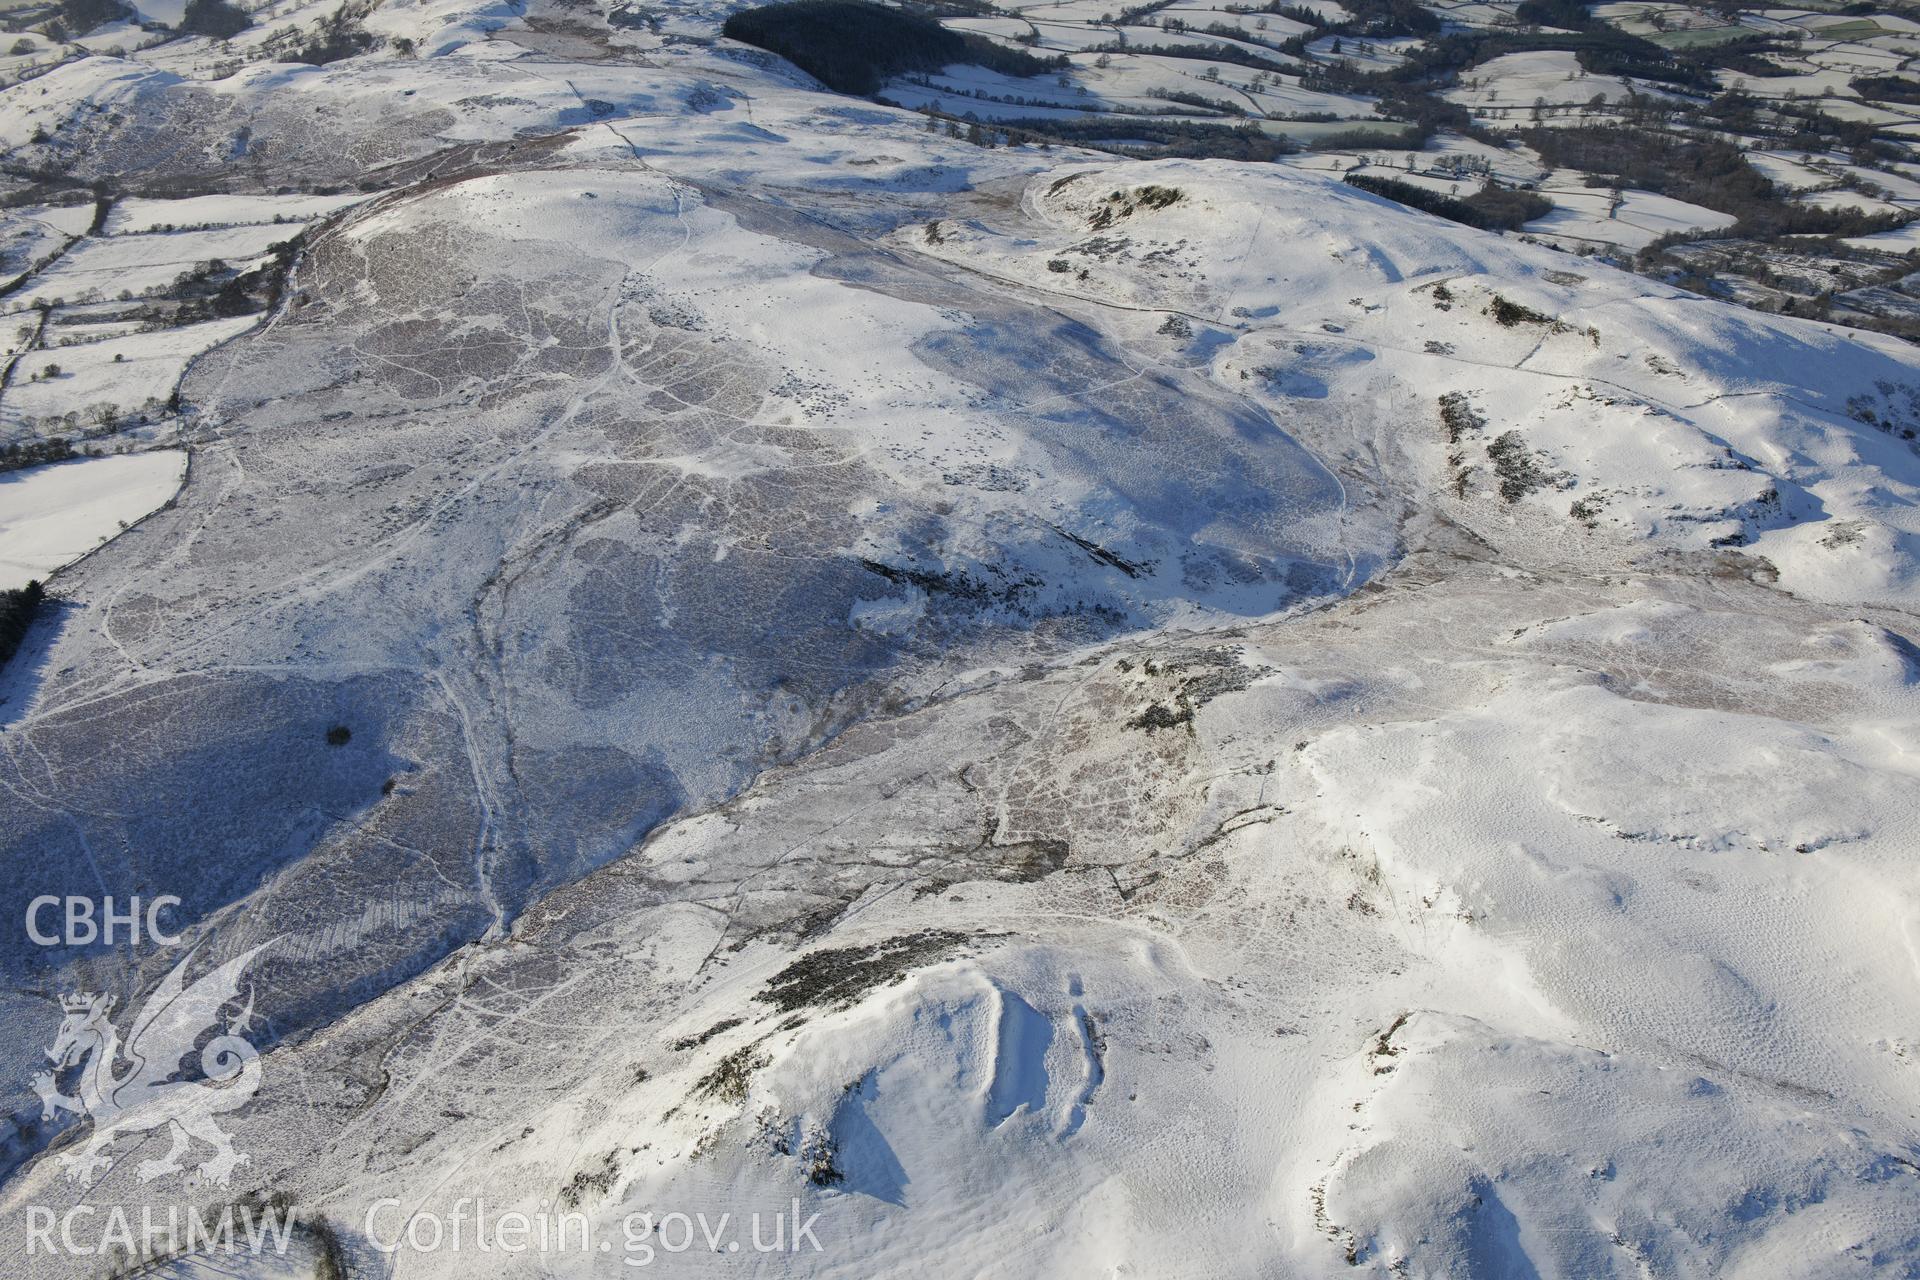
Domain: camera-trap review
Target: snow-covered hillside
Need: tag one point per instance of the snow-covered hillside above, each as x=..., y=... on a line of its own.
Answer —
x=1069, y=716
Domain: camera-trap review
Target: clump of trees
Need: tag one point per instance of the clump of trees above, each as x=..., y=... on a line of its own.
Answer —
x=340, y=34
x=1236, y=54
x=1699, y=169
x=17, y=610
x=221, y=19
x=214, y=289
x=1431, y=113
x=853, y=46
x=1157, y=137
x=34, y=453
x=1492, y=208
x=1378, y=18
x=82, y=16
x=1748, y=55
x=1887, y=88
x=1570, y=15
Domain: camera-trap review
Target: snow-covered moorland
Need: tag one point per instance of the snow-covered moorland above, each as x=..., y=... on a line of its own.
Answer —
x=1067, y=716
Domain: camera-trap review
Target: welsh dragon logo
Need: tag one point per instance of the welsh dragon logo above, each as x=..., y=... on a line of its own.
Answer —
x=143, y=1095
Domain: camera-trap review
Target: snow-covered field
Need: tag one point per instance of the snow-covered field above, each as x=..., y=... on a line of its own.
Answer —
x=52, y=515
x=1516, y=83
x=136, y=215
x=1632, y=219
x=1069, y=716
x=115, y=375
x=144, y=264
